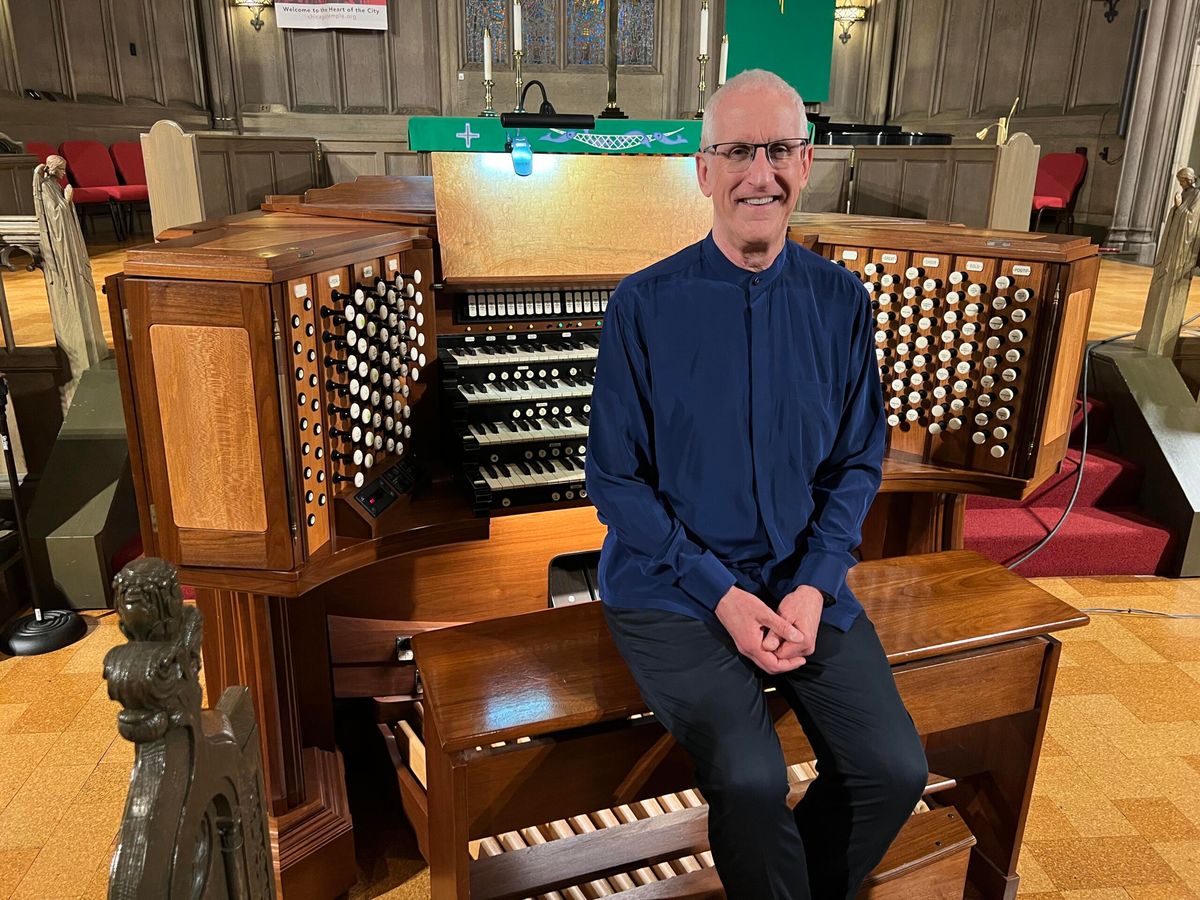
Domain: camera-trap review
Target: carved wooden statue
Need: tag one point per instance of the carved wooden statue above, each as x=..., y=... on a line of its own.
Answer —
x=68, y=273
x=195, y=824
x=1178, y=253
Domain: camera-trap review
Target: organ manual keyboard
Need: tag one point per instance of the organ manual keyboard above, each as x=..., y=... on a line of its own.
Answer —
x=521, y=399
x=350, y=422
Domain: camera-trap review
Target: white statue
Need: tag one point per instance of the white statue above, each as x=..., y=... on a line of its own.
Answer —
x=1176, y=257
x=68, y=274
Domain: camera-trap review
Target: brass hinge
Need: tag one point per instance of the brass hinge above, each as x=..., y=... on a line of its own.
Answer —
x=125, y=319
x=153, y=519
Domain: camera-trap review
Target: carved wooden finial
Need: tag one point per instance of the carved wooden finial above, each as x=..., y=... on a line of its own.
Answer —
x=194, y=778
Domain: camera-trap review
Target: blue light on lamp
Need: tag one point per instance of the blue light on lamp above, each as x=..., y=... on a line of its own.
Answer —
x=522, y=156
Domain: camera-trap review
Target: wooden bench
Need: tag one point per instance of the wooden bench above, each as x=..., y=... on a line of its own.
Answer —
x=534, y=718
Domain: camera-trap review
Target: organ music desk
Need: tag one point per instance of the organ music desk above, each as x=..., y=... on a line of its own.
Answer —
x=354, y=417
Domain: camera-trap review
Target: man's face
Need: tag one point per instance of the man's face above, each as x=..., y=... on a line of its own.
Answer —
x=751, y=207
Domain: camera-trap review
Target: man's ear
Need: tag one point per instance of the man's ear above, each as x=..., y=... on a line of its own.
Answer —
x=704, y=174
x=806, y=166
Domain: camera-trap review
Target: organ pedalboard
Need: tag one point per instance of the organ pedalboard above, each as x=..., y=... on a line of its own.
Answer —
x=517, y=368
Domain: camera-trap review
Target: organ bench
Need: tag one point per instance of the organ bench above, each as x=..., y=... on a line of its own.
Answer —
x=534, y=718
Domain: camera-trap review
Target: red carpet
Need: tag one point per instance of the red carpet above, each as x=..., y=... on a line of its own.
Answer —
x=1104, y=534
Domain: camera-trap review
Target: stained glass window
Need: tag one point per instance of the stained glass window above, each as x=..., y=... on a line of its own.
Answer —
x=586, y=25
x=492, y=14
x=635, y=31
x=539, y=31
x=580, y=26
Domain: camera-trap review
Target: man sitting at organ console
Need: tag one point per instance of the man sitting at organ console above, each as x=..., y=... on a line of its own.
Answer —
x=736, y=443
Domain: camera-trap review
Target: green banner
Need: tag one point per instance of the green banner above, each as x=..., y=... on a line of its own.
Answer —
x=480, y=134
x=792, y=38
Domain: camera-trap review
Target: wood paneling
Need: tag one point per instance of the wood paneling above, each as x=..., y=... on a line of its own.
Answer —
x=313, y=70
x=919, y=44
x=8, y=53
x=37, y=24
x=216, y=185
x=178, y=59
x=116, y=66
x=237, y=172
x=136, y=52
x=828, y=188
x=87, y=27
x=359, y=73
x=1100, y=59
x=1051, y=57
x=16, y=184
x=958, y=65
x=414, y=61
x=221, y=406
x=366, y=71
x=972, y=181
x=346, y=160
x=205, y=377
x=1003, y=55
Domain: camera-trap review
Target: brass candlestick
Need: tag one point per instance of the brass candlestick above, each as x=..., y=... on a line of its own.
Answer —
x=703, y=60
x=517, y=55
x=611, y=110
x=488, y=84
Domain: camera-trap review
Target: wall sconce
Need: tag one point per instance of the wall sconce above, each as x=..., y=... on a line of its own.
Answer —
x=846, y=14
x=1110, y=10
x=256, y=7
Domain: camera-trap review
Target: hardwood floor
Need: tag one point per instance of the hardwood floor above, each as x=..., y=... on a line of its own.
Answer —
x=1115, y=812
x=1116, y=806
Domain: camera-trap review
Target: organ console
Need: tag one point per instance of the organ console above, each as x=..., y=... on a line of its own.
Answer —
x=363, y=414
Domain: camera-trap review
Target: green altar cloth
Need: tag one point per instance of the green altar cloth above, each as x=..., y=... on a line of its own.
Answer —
x=478, y=134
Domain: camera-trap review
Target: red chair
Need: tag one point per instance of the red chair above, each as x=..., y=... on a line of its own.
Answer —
x=95, y=179
x=132, y=168
x=1059, y=177
x=43, y=152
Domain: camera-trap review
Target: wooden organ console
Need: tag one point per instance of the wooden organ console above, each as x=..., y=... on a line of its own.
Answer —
x=361, y=414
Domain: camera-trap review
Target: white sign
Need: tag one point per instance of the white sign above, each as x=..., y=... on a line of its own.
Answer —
x=371, y=14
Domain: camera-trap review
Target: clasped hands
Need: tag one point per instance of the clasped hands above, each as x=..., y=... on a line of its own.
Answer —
x=776, y=642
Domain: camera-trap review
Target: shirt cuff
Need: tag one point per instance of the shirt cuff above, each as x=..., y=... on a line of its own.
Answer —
x=708, y=580
x=823, y=570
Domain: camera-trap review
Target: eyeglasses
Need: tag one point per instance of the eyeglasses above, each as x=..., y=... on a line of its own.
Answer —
x=739, y=155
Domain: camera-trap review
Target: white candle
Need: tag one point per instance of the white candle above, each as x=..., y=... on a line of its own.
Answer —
x=704, y=28
x=517, y=25
x=487, y=54
x=724, y=59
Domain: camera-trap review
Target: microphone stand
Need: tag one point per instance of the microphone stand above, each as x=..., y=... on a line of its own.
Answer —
x=44, y=630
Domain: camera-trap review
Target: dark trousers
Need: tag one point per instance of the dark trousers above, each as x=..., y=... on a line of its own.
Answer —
x=870, y=762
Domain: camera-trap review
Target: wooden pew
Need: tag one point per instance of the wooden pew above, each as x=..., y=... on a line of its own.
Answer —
x=534, y=718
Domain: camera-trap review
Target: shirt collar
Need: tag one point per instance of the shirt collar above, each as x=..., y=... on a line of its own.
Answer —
x=724, y=269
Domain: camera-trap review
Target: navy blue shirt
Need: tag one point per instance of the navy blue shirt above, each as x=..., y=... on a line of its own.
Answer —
x=737, y=432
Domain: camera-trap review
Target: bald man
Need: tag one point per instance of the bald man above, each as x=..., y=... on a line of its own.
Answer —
x=736, y=443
